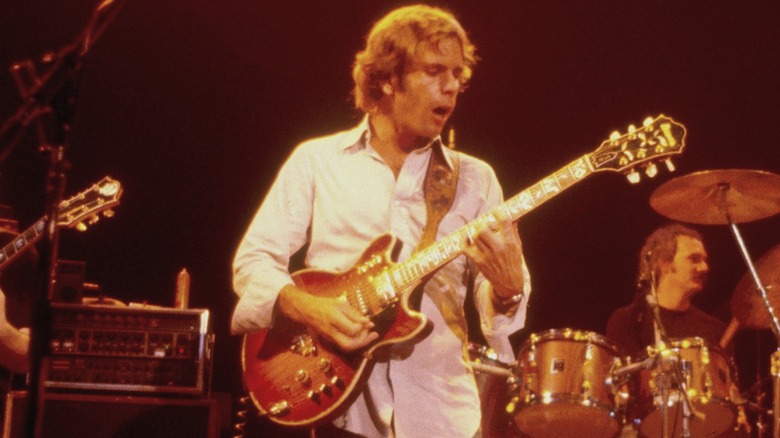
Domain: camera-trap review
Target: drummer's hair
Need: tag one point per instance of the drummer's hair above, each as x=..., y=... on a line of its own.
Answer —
x=661, y=245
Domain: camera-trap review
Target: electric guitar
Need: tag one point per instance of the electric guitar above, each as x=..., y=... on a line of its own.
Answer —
x=296, y=379
x=101, y=197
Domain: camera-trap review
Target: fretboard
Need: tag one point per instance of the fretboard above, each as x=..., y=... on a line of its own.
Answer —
x=21, y=242
x=439, y=253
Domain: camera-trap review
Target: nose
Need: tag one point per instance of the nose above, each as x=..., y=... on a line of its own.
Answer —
x=450, y=83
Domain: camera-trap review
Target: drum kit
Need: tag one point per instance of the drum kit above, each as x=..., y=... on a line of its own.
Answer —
x=568, y=382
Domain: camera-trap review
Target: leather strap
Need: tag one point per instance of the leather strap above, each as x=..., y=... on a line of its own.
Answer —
x=440, y=184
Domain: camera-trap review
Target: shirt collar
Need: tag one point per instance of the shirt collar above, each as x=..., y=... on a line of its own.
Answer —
x=359, y=136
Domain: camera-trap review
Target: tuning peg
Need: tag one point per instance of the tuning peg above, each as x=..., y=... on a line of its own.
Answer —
x=651, y=170
x=631, y=129
x=633, y=177
x=109, y=213
x=669, y=165
x=614, y=136
x=93, y=219
x=647, y=122
x=81, y=226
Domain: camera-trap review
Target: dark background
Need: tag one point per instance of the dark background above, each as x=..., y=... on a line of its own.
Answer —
x=193, y=105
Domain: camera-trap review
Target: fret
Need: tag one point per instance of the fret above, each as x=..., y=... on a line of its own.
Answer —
x=397, y=278
x=564, y=177
x=451, y=245
x=550, y=186
x=538, y=194
x=8, y=252
x=433, y=256
x=580, y=168
x=19, y=243
x=415, y=270
x=424, y=262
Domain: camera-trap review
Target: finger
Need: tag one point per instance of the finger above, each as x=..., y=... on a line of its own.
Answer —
x=352, y=343
x=355, y=317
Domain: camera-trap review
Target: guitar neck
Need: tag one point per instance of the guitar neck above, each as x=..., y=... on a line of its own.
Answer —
x=20, y=243
x=438, y=254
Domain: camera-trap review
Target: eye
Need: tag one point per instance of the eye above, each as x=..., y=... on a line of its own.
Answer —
x=434, y=70
x=460, y=73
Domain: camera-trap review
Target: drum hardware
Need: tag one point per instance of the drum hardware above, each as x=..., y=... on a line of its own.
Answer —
x=685, y=369
x=493, y=379
x=669, y=370
x=490, y=369
x=729, y=197
x=621, y=373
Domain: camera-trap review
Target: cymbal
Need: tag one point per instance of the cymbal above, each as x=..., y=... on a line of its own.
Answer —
x=710, y=197
x=746, y=303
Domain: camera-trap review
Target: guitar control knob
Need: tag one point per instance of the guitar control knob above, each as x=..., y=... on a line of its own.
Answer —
x=337, y=382
x=325, y=389
x=314, y=396
x=279, y=408
x=325, y=365
x=302, y=377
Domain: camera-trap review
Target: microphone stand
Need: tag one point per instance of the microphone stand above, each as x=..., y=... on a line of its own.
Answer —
x=55, y=94
x=669, y=369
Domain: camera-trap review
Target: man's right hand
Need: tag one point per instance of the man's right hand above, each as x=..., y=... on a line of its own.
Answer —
x=333, y=318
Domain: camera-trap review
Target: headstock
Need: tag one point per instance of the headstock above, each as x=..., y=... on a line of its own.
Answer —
x=658, y=139
x=85, y=206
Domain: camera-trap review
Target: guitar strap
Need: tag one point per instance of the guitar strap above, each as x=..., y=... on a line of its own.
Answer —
x=440, y=184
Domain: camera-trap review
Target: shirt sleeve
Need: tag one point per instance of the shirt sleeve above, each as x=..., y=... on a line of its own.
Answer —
x=497, y=327
x=278, y=230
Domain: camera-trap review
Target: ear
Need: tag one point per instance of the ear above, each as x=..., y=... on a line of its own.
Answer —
x=664, y=266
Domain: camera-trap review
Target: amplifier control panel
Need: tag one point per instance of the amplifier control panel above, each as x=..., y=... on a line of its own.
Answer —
x=128, y=349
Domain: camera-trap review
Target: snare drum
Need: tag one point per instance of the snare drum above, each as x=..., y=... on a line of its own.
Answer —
x=491, y=376
x=710, y=378
x=562, y=388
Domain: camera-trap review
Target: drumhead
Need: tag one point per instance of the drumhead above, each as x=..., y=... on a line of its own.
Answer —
x=569, y=334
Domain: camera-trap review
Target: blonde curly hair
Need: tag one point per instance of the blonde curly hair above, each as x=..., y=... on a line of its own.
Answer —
x=392, y=42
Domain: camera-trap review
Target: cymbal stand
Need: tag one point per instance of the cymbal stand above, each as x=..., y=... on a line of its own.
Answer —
x=722, y=194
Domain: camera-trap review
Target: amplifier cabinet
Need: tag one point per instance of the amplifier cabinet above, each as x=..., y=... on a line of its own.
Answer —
x=128, y=349
x=103, y=416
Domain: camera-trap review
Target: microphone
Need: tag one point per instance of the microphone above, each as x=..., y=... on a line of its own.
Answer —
x=646, y=275
x=651, y=300
x=618, y=374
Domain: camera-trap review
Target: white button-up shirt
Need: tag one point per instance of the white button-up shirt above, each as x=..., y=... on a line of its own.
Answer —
x=338, y=194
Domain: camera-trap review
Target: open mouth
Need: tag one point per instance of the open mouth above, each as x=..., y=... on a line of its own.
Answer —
x=442, y=111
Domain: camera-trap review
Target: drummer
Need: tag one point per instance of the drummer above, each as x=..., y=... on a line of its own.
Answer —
x=672, y=270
